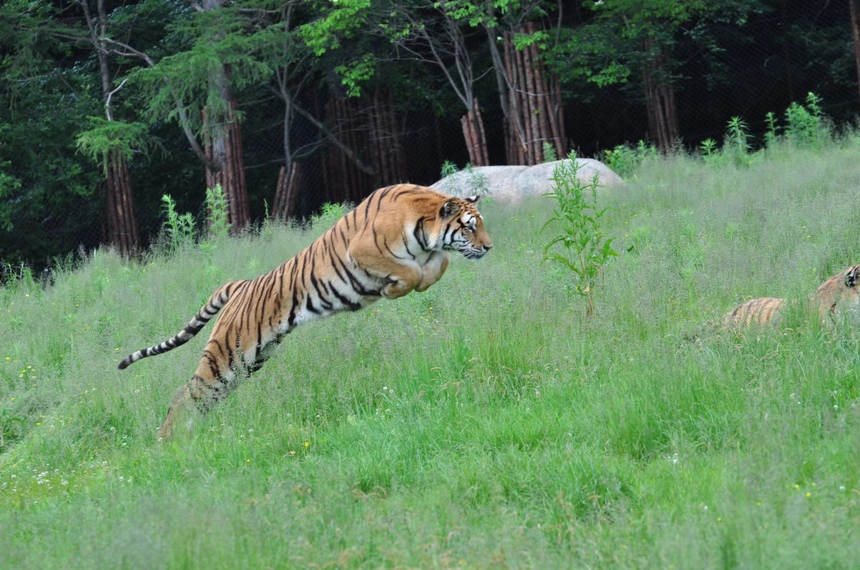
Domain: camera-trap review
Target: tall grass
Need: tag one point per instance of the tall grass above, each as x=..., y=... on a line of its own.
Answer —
x=483, y=423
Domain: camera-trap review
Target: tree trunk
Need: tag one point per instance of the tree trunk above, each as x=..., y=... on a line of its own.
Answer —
x=660, y=98
x=516, y=145
x=346, y=179
x=476, y=139
x=387, y=157
x=854, y=6
x=366, y=153
x=535, y=118
x=122, y=224
x=224, y=149
x=223, y=141
x=287, y=191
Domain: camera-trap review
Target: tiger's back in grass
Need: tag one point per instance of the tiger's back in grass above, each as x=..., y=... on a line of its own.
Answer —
x=838, y=295
x=396, y=241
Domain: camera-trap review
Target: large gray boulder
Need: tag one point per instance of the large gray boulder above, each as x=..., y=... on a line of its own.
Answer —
x=513, y=183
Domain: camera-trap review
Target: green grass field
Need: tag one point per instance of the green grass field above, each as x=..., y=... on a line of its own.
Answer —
x=485, y=423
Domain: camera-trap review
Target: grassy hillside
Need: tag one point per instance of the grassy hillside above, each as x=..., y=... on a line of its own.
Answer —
x=484, y=423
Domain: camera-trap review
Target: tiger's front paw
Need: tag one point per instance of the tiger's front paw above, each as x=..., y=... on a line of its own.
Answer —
x=396, y=290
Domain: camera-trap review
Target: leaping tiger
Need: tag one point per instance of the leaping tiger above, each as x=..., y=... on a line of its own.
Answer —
x=396, y=241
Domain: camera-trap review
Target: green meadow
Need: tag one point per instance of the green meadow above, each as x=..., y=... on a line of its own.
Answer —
x=484, y=423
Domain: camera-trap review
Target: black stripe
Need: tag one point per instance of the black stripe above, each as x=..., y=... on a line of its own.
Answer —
x=291, y=320
x=333, y=258
x=353, y=306
x=310, y=306
x=406, y=245
x=355, y=283
x=259, y=347
x=419, y=234
x=385, y=243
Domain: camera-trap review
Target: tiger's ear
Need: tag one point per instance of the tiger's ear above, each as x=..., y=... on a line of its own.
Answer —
x=473, y=199
x=448, y=209
x=851, y=276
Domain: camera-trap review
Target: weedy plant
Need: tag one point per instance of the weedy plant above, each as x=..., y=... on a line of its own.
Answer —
x=329, y=215
x=804, y=124
x=475, y=182
x=805, y=127
x=549, y=154
x=709, y=150
x=737, y=142
x=770, y=136
x=216, y=207
x=178, y=229
x=11, y=428
x=625, y=160
x=581, y=246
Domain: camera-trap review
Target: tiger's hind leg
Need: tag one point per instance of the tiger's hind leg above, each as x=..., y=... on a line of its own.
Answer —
x=180, y=407
x=197, y=397
x=218, y=373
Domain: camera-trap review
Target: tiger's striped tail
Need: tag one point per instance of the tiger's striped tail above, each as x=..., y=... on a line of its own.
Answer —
x=218, y=299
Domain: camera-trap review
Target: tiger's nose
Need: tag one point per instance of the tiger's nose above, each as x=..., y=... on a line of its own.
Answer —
x=488, y=246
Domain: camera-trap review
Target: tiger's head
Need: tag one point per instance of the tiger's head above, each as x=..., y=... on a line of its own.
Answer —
x=463, y=228
x=841, y=292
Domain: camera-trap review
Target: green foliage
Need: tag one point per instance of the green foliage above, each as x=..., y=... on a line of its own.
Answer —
x=549, y=154
x=193, y=80
x=356, y=72
x=592, y=53
x=105, y=137
x=770, y=136
x=625, y=160
x=737, y=142
x=11, y=428
x=737, y=136
x=10, y=185
x=448, y=169
x=178, y=230
x=329, y=215
x=805, y=125
x=585, y=249
x=709, y=150
x=218, y=213
x=476, y=181
x=805, y=128
x=338, y=20
x=463, y=182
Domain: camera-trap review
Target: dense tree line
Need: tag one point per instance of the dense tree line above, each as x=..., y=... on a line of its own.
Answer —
x=106, y=105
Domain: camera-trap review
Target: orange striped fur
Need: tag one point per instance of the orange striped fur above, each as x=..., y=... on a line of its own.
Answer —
x=755, y=311
x=838, y=294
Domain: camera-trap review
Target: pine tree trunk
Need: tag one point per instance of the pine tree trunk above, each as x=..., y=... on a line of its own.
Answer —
x=535, y=112
x=660, y=99
x=517, y=144
x=122, y=224
x=473, y=133
x=224, y=149
x=387, y=157
x=367, y=154
x=287, y=191
x=556, y=106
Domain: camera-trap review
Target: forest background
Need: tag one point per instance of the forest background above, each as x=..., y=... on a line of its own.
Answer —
x=108, y=106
